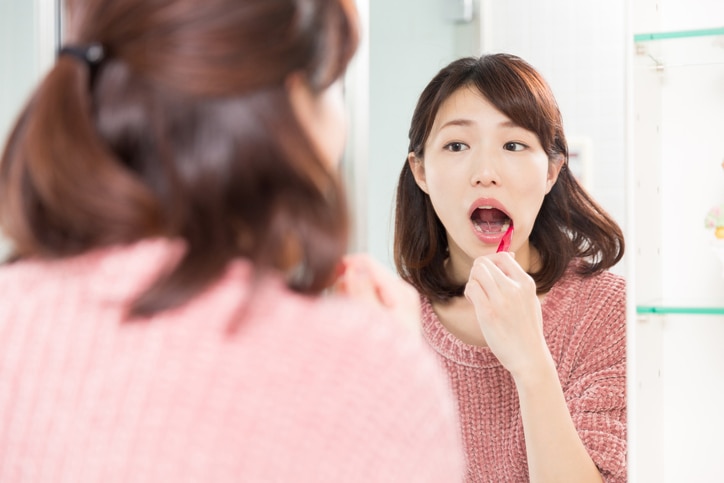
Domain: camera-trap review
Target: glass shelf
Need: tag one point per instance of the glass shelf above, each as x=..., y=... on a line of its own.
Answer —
x=680, y=34
x=681, y=48
x=663, y=310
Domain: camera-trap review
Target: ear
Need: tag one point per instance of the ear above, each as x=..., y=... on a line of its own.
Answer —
x=417, y=166
x=554, y=168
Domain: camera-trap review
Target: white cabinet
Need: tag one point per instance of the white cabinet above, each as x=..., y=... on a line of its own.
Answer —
x=678, y=150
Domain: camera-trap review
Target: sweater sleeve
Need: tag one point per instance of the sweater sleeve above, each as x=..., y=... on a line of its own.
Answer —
x=596, y=387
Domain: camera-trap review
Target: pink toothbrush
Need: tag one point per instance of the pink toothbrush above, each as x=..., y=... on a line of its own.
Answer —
x=505, y=241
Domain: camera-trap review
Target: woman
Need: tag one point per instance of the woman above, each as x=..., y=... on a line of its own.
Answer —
x=510, y=257
x=171, y=195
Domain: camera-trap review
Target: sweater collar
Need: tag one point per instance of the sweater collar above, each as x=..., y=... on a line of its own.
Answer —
x=452, y=348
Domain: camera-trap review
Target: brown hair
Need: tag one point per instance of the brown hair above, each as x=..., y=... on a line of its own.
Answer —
x=570, y=224
x=184, y=131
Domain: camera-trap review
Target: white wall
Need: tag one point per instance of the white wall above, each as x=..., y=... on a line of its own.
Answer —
x=17, y=60
x=28, y=31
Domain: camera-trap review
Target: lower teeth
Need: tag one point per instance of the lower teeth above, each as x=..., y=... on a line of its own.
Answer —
x=487, y=227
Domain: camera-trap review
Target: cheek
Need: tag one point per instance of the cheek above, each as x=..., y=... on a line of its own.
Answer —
x=441, y=187
x=437, y=181
x=335, y=132
x=328, y=124
x=529, y=184
x=530, y=177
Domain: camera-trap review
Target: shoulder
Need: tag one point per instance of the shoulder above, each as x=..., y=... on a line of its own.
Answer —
x=369, y=374
x=585, y=326
x=362, y=327
x=592, y=290
x=585, y=311
x=328, y=326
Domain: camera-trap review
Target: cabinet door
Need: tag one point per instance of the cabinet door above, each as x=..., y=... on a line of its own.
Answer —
x=678, y=150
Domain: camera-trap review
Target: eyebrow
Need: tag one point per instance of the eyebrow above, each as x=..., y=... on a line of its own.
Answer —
x=510, y=124
x=456, y=122
x=467, y=122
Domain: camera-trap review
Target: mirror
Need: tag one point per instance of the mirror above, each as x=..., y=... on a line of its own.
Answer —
x=584, y=51
x=639, y=83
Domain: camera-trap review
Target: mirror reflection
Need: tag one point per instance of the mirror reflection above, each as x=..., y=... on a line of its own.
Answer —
x=587, y=78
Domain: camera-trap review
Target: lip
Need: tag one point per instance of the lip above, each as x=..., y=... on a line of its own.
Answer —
x=487, y=202
x=494, y=203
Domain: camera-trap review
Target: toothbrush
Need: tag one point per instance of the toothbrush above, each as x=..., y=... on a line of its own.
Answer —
x=505, y=241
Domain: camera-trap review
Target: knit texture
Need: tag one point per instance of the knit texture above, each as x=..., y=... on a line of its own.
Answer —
x=306, y=390
x=584, y=322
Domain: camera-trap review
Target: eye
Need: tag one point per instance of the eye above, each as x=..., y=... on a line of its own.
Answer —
x=456, y=147
x=514, y=146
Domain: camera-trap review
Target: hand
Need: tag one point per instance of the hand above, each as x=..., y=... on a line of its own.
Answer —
x=366, y=279
x=508, y=312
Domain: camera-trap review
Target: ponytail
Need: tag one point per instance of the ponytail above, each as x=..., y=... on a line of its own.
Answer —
x=61, y=189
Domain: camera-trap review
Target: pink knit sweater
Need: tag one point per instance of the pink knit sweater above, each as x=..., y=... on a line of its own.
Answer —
x=584, y=323
x=307, y=389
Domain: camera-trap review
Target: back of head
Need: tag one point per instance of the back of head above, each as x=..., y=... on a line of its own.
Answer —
x=184, y=129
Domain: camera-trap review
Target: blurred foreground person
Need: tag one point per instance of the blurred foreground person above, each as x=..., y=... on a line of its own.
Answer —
x=171, y=195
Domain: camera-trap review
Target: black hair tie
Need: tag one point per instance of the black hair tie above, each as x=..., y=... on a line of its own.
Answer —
x=91, y=54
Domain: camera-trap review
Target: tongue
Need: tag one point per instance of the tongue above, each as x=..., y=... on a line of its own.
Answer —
x=490, y=220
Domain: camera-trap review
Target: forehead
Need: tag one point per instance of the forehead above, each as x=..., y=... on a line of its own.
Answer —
x=466, y=106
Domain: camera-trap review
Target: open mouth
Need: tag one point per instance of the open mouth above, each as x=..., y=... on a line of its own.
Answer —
x=490, y=221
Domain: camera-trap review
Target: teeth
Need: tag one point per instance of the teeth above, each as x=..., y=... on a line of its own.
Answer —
x=485, y=227
x=504, y=227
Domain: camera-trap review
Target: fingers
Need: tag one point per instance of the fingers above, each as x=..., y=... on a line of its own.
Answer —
x=356, y=282
x=494, y=273
x=367, y=275
x=507, y=309
x=497, y=276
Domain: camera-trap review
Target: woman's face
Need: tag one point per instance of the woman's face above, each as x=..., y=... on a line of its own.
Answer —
x=482, y=173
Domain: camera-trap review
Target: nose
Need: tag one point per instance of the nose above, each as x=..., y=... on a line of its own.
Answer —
x=484, y=170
